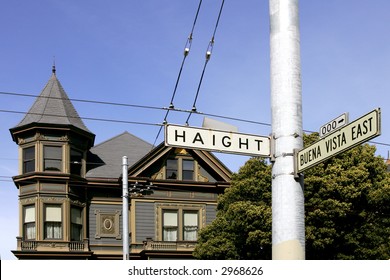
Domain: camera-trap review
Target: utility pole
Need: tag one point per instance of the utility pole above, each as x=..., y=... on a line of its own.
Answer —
x=125, y=208
x=288, y=225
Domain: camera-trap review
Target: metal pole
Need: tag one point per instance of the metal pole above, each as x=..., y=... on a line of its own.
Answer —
x=288, y=225
x=125, y=208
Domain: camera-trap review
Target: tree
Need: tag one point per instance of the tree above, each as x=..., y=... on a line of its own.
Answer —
x=347, y=210
x=347, y=205
x=242, y=228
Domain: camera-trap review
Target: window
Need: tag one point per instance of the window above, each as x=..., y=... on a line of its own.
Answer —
x=190, y=225
x=170, y=225
x=53, y=222
x=172, y=169
x=76, y=158
x=29, y=159
x=29, y=231
x=76, y=224
x=188, y=169
x=179, y=222
x=52, y=158
x=180, y=169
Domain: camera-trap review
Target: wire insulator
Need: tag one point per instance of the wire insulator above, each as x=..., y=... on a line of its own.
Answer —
x=186, y=51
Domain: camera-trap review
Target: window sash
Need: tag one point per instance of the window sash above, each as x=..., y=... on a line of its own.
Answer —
x=190, y=226
x=170, y=225
x=52, y=158
x=76, y=158
x=172, y=169
x=76, y=232
x=170, y=219
x=53, y=213
x=29, y=159
x=29, y=231
x=75, y=215
x=29, y=214
x=53, y=230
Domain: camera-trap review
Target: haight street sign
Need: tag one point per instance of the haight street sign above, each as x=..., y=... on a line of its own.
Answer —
x=347, y=137
x=217, y=140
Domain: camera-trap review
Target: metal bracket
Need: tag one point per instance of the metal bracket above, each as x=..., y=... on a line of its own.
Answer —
x=296, y=174
x=272, y=148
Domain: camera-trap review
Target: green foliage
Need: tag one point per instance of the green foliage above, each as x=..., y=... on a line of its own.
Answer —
x=347, y=210
x=242, y=228
x=347, y=206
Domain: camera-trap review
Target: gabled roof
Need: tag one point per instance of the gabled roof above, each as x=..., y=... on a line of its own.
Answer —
x=53, y=106
x=105, y=159
x=206, y=159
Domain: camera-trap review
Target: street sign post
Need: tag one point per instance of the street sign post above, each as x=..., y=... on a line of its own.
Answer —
x=347, y=137
x=217, y=140
x=333, y=125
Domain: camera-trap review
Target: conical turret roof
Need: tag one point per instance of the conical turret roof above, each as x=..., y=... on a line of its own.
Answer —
x=53, y=107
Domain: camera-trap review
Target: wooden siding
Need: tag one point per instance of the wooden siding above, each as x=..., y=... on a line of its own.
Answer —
x=145, y=221
x=211, y=213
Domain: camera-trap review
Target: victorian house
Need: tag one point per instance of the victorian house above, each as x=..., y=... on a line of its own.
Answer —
x=70, y=190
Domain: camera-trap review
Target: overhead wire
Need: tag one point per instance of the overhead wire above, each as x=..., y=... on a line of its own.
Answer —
x=208, y=56
x=143, y=107
x=187, y=49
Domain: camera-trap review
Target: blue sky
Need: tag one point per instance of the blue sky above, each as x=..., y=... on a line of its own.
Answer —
x=130, y=52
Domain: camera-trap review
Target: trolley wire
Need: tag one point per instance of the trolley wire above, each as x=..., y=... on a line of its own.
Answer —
x=208, y=56
x=187, y=49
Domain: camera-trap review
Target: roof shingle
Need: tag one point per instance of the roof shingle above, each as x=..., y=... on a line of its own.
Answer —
x=53, y=107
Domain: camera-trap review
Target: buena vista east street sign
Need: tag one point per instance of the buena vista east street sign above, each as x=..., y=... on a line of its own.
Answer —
x=217, y=140
x=347, y=137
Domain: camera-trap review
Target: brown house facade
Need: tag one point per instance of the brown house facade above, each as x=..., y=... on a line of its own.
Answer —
x=70, y=190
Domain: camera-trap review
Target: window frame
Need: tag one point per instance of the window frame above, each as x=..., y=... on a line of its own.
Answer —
x=53, y=224
x=180, y=168
x=28, y=161
x=26, y=224
x=166, y=228
x=76, y=225
x=200, y=209
x=59, y=160
x=75, y=165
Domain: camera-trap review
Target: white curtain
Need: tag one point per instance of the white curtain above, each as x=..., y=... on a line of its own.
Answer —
x=29, y=222
x=190, y=226
x=53, y=225
x=170, y=226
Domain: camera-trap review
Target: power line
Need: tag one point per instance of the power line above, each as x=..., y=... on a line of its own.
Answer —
x=143, y=107
x=82, y=100
x=187, y=49
x=84, y=118
x=208, y=56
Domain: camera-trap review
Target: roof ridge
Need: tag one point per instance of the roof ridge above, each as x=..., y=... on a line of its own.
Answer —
x=119, y=135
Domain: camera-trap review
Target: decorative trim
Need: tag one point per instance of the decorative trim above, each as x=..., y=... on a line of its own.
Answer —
x=108, y=224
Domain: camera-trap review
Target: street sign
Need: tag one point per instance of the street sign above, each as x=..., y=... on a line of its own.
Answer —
x=347, y=137
x=217, y=140
x=333, y=125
